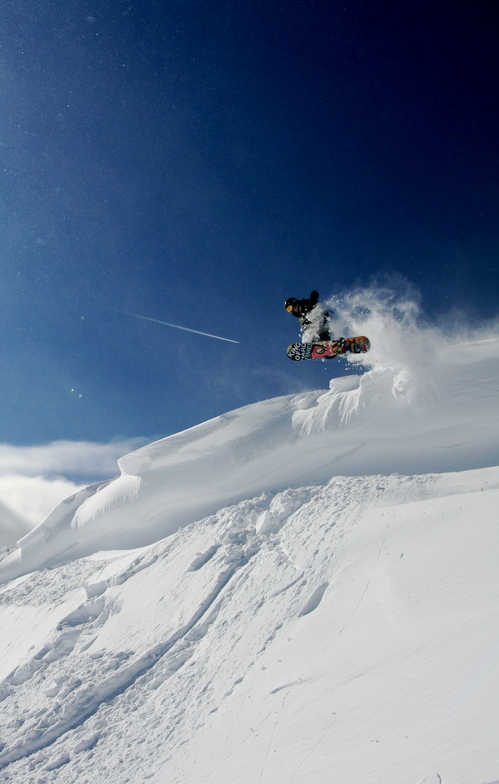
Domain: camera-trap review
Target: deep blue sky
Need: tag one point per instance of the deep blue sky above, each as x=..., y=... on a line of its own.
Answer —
x=200, y=162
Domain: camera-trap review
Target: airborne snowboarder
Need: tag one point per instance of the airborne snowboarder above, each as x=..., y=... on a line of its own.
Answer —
x=317, y=339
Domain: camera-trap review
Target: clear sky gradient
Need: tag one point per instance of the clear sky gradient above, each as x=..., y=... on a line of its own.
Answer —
x=199, y=162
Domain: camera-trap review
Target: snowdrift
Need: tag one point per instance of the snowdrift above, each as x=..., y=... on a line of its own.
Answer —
x=406, y=418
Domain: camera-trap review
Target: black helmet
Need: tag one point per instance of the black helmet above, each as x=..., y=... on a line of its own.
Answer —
x=290, y=304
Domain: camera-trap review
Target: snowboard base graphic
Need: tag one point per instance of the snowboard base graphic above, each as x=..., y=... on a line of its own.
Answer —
x=328, y=349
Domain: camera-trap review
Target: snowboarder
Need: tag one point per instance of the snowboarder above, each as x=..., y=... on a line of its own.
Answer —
x=314, y=318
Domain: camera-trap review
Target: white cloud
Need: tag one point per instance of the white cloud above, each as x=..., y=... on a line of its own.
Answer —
x=12, y=525
x=66, y=458
x=35, y=479
x=27, y=500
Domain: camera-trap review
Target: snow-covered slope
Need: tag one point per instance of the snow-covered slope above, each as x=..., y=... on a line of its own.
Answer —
x=345, y=631
x=301, y=590
x=409, y=419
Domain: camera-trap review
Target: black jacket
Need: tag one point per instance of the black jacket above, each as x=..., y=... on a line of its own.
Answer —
x=303, y=306
x=314, y=319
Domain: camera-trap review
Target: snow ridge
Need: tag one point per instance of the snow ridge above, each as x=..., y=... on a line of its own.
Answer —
x=360, y=426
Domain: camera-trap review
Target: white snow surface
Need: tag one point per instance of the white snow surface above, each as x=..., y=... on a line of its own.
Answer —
x=302, y=590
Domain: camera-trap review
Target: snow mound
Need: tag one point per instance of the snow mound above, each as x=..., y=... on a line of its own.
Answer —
x=407, y=417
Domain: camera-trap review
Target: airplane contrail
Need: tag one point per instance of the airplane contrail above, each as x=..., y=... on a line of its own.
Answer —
x=176, y=326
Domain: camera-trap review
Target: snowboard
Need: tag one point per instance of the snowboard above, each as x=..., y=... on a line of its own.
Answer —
x=328, y=349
